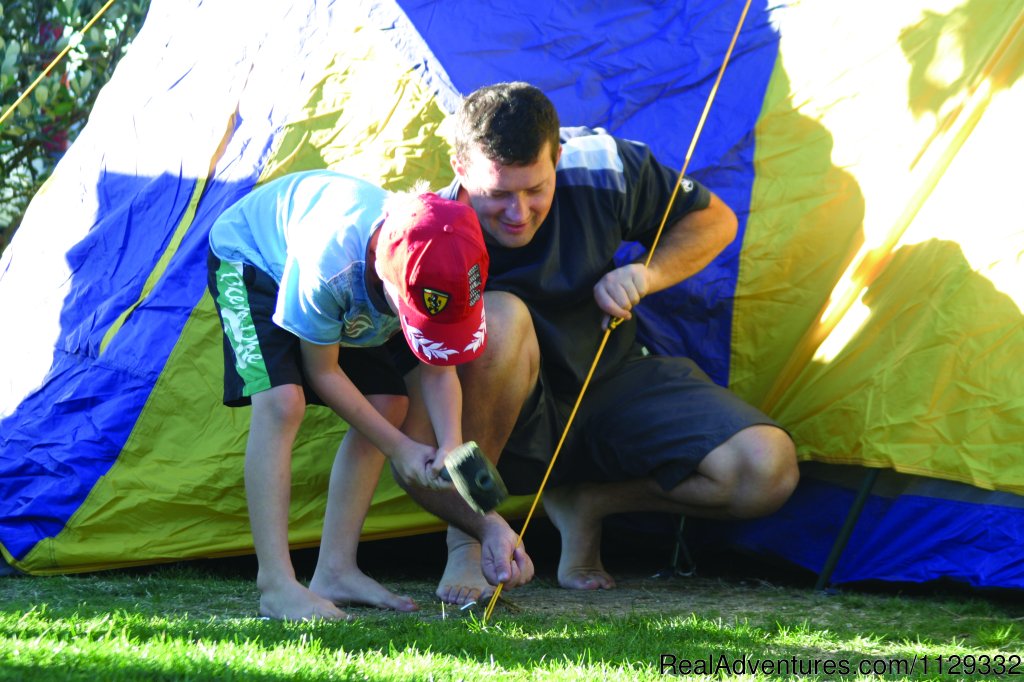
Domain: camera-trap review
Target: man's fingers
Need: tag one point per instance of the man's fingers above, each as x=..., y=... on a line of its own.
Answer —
x=496, y=563
x=523, y=565
x=487, y=566
x=617, y=295
x=612, y=307
x=629, y=296
x=520, y=571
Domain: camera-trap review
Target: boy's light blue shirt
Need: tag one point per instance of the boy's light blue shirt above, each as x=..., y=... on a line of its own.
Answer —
x=310, y=231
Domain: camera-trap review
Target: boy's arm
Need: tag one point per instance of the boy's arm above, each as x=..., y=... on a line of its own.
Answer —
x=412, y=460
x=442, y=394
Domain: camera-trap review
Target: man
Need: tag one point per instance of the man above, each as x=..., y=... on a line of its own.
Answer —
x=653, y=433
x=312, y=274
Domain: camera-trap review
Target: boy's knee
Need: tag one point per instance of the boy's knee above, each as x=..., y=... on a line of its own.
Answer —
x=284, y=405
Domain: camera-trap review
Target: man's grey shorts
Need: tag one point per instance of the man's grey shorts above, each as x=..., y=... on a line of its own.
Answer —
x=655, y=416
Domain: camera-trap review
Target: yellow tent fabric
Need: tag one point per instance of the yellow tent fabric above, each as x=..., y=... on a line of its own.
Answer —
x=883, y=229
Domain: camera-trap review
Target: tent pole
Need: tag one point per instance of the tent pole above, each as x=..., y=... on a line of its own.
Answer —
x=847, y=530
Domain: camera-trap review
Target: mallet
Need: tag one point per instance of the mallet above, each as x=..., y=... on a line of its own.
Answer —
x=475, y=477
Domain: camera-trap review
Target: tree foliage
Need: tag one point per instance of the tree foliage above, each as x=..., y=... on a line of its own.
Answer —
x=36, y=135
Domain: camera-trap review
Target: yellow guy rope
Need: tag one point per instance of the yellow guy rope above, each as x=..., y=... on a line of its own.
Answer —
x=614, y=323
x=56, y=60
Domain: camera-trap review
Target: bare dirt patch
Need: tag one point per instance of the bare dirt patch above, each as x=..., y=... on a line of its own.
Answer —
x=413, y=565
x=635, y=594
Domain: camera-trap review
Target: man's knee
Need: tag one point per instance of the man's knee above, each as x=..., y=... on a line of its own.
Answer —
x=391, y=407
x=777, y=463
x=765, y=467
x=511, y=341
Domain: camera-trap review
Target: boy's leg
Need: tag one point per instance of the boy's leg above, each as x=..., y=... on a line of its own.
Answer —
x=276, y=416
x=354, y=477
x=261, y=360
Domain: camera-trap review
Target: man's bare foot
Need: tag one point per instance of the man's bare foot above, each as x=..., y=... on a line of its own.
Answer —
x=355, y=587
x=463, y=581
x=579, y=566
x=292, y=601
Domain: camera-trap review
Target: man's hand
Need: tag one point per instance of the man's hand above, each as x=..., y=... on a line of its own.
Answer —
x=498, y=562
x=620, y=290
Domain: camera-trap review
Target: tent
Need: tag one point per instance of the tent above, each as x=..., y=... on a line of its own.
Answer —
x=872, y=302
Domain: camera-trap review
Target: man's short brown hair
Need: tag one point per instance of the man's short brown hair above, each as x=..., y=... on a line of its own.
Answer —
x=508, y=122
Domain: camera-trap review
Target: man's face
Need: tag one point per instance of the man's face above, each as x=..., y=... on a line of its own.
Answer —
x=510, y=201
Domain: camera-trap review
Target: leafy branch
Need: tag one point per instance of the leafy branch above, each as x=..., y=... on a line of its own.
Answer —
x=34, y=138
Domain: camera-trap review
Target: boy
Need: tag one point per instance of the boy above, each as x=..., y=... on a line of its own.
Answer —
x=312, y=274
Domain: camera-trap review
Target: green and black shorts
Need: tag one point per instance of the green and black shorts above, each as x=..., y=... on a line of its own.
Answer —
x=259, y=355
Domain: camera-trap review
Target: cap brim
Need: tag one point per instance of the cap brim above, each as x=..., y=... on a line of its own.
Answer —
x=438, y=343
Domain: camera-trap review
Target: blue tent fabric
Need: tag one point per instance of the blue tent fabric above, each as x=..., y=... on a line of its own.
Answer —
x=643, y=72
x=910, y=530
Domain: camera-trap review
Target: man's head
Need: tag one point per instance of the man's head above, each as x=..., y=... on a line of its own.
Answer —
x=431, y=256
x=505, y=151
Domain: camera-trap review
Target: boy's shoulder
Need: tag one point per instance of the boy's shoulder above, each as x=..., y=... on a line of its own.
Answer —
x=320, y=177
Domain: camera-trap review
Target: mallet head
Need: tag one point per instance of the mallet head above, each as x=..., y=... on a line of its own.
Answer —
x=475, y=477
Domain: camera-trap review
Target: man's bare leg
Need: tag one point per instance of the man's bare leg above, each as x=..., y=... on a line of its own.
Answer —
x=750, y=475
x=354, y=477
x=276, y=416
x=494, y=388
x=579, y=524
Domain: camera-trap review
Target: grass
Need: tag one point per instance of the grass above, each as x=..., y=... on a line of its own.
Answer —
x=196, y=622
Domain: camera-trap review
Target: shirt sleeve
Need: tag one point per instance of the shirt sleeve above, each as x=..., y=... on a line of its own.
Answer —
x=649, y=187
x=307, y=307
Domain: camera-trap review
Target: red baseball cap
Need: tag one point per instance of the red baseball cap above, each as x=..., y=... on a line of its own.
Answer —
x=432, y=258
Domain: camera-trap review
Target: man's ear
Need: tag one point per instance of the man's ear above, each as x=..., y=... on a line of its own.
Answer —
x=460, y=171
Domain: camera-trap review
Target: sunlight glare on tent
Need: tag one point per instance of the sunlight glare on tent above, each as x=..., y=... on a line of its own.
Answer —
x=843, y=330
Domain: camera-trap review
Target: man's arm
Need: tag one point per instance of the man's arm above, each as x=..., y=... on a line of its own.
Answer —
x=412, y=460
x=684, y=249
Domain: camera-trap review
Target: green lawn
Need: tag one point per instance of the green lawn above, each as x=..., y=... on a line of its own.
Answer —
x=197, y=622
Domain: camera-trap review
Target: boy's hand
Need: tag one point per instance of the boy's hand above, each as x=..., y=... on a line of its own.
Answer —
x=420, y=465
x=438, y=465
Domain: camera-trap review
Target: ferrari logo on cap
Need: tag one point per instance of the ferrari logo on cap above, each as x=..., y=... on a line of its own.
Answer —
x=435, y=301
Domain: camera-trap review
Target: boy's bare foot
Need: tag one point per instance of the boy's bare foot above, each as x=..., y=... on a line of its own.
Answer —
x=463, y=581
x=292, y=601
x=579, y=566
x=355, y=587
